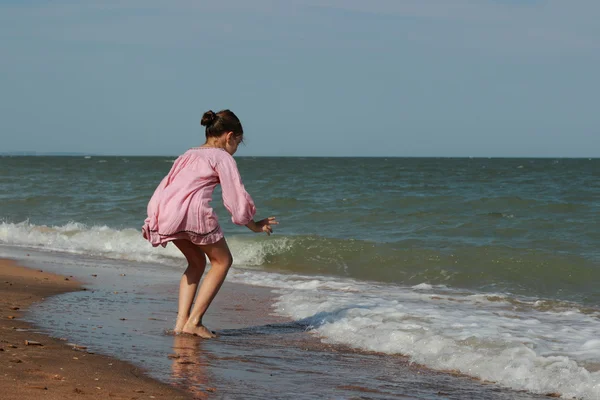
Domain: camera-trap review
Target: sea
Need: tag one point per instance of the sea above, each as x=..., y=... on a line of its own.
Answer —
x=486, y=267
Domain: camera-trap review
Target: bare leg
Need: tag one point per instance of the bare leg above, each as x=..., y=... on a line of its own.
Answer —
x=221, y=260
x=189, y=281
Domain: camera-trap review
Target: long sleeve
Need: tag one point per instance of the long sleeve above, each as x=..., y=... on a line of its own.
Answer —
x=235, y=198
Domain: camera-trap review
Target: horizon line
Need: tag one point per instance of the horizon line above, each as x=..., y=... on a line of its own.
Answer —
x=77, y=154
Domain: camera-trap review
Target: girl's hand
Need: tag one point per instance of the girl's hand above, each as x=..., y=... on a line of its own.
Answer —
x=264, y=225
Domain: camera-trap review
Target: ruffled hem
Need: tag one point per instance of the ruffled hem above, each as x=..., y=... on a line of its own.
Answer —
x=157, y=239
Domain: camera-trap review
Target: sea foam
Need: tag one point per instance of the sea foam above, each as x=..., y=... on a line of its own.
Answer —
x=491, y=337
x=126, y=244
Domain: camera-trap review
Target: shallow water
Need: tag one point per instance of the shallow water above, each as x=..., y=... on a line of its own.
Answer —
x=126, y=312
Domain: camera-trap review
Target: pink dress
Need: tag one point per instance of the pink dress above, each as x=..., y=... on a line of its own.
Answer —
x=180, y=206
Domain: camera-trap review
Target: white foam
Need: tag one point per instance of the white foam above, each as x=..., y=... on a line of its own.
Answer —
x=125, y=244
x=484, y=336
x=77, y=238
x=422, y=286
x=254, y=252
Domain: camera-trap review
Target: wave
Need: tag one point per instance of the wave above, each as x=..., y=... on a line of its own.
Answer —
x=127, y=244
x=407, y=262
x=526, y=344
x=78, y=238
x=535, y=344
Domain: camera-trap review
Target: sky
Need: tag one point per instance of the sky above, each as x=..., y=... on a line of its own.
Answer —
x=431, y=78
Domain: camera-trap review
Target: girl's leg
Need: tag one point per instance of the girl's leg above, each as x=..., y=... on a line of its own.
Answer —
x=220, y=260
x=189, y=281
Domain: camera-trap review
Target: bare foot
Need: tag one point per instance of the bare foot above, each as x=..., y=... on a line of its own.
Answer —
x=199, y=330
x=179, y=325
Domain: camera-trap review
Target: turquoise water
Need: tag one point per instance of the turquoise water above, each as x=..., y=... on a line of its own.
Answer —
x=486, y=266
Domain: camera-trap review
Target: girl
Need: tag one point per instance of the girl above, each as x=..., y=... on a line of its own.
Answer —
x=179, y=212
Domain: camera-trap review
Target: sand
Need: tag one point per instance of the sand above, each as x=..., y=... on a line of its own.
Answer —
x=34, y=366
x=257, y=356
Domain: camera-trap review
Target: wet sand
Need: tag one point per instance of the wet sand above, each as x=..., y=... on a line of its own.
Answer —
x=34, y=365
x=258, y=355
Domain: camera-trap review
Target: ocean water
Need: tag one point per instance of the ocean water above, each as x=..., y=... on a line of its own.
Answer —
x=489, y=267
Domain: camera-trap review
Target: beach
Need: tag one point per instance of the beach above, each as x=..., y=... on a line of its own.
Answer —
x=431, y=170
x=401, y=281
x=34, y=365
x=258, y=355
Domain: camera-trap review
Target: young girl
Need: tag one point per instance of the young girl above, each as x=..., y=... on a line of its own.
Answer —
x=180, y=212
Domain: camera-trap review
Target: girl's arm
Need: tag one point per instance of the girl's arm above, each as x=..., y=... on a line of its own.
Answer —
x=235, y=198
x=237, y=201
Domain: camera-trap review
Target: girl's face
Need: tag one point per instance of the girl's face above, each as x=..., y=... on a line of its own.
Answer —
x=232, y=142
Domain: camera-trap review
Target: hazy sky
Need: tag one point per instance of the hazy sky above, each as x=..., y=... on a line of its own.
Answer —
x=306, y=77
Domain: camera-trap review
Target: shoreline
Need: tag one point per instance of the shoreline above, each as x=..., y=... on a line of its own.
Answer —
x=34, y=364
x=259, y=355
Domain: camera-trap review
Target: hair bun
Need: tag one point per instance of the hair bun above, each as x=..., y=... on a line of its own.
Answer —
x=208, y=118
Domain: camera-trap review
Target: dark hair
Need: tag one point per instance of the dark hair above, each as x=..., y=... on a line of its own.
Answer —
x=218, y=123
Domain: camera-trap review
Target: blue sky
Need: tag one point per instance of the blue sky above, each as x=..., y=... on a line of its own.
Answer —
x=306, y=77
